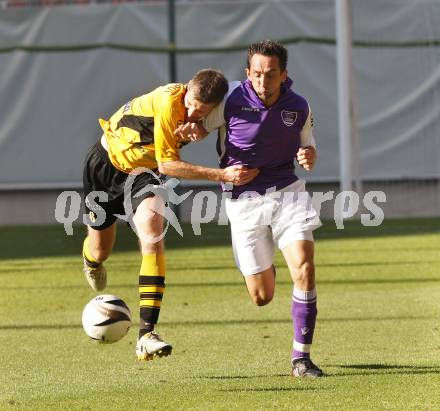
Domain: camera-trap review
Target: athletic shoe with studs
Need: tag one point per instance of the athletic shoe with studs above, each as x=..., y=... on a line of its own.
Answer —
x=304, y=367
x=96, y=275
x=151, y=345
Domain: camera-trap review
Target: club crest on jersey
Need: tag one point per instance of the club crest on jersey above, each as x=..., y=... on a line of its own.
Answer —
x=289, y=117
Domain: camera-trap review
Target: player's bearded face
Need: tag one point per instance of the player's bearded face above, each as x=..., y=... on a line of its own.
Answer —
x=195, y=109
x=266, y=77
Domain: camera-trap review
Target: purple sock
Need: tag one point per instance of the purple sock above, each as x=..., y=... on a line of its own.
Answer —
x=304, y=317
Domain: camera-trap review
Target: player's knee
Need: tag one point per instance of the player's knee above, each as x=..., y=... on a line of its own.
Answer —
x=260, y=301
x=261, y=298
x=308, y=268
x=150, y=232
x=305, y=274
x=151, y=247
x=101, y=253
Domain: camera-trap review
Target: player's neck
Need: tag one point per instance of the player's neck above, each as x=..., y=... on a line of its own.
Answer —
x=270, y=101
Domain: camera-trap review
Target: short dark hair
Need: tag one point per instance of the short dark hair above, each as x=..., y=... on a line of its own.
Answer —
x=209, y=86
x=268, y=48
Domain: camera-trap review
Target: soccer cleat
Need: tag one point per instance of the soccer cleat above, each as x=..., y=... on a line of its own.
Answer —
x=304, y=367
x=96, y=275
x=150, y=345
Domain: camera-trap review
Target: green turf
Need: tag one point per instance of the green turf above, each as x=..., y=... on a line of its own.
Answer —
x=377, y=336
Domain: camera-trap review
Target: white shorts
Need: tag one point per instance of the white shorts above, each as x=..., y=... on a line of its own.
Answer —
x=260, y=223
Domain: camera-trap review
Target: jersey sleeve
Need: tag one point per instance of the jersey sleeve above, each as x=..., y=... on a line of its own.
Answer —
x=306, y=133
x=165, y=143
x=216, y=118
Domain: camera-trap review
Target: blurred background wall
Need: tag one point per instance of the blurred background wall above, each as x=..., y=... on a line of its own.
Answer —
x=62, y=66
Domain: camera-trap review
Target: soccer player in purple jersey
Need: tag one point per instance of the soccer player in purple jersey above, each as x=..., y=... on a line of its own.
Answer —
x=265, y=125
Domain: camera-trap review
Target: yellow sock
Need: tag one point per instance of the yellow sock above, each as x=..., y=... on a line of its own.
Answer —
x=86, y=251
x=149, y=266
x=160, y=259
x=151, y=289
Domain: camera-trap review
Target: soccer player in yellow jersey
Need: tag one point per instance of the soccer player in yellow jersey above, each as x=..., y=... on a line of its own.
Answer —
x=141, y=136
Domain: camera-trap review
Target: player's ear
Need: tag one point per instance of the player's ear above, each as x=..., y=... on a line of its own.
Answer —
x=284, y=75
x=248, y=73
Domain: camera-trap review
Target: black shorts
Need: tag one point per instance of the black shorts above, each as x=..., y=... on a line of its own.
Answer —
x=104, y=189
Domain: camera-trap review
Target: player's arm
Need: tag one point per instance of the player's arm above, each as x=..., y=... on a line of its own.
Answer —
x=167, y=149
x=307, y=154
x=237, y=175
x=191, y=132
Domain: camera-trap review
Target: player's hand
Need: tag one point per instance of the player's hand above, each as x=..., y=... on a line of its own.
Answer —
x=306, y=157
x=239, y=175
x=190, y=132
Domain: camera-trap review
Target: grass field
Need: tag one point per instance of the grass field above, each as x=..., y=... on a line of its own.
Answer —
x=377, y=336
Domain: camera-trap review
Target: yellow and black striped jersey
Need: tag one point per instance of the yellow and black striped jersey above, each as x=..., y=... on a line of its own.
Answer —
x=140, y=133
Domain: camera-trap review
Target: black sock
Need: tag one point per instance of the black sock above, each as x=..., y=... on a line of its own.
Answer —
x=145, y=328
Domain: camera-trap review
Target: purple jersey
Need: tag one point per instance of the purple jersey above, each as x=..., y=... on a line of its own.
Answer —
x=261, y=137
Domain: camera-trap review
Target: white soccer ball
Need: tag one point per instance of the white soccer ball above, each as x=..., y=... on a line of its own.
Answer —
x=106, y=318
